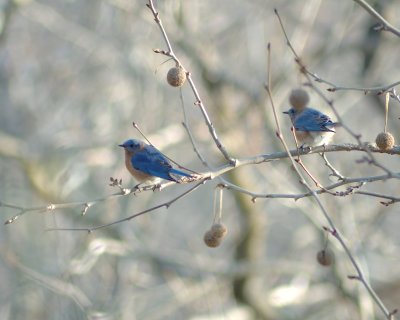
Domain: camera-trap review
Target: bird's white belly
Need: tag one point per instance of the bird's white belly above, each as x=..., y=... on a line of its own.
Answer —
x=314, y=138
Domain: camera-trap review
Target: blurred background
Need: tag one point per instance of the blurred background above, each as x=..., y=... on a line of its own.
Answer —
x=73, y=77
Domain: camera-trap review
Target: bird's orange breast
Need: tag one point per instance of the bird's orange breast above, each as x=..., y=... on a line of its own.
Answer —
x=138, y=175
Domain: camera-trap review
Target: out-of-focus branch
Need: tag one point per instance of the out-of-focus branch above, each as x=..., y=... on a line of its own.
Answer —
x=185, y=124
x=60, y=287
x=8, y=9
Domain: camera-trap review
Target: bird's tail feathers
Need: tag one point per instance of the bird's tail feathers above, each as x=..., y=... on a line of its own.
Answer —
x=178, y=173
x=180, y=176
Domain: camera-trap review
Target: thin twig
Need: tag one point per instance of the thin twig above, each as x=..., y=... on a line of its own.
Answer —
x=51, y=207
x=198, y=101
x=387, y=96
x=333, y=229
x=317, y=183
x=303, y=69
x=385, y=25
x=296, y=196
x=334, y=171
x=301, y=163
x=333, y=87
x=212, y=174
x=185, y=124
x=378, y=195
x=378, y=89
x=165, y=204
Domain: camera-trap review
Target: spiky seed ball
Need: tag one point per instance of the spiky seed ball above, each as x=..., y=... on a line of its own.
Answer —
x=219, y=230
x=385, y=141
x=211, y=240
x=176, y=76
x=325, y=257
x=299, y=99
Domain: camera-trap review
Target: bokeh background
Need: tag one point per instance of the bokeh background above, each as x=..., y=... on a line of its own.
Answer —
x=73, y=77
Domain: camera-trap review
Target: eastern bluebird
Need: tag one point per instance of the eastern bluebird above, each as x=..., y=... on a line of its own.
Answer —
x=147, y=164
x=312, y=128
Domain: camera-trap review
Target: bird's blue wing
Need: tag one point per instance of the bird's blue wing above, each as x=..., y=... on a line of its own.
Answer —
x=149, y=160
x=313, y=120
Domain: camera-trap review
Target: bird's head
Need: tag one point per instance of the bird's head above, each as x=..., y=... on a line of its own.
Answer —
x=132, y=145
x=291, y=112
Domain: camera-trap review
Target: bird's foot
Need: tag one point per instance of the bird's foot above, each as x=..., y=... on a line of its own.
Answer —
x=305, y=148
x=156, y=187
x=188, y=179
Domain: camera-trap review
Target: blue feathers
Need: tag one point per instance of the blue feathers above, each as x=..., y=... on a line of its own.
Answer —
x=310, y=119
x=147, y=163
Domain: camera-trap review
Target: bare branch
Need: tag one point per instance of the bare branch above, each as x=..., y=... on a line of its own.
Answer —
x=385, y=25
x=309, y=76
x=165, y=204
x=377, y=90
x=217, y=173
x=335, y=232
x=198, y=101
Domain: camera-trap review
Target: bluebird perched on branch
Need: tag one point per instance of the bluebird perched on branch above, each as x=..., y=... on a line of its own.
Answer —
x=311, y=127
x=147, y=164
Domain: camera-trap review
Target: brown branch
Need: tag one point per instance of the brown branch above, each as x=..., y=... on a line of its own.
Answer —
x=217, y=173
x=198, y=101
x=378, y=89
x=309, y=75
x=385, y=25
x=333, y=229
x=165, y=204
x=378, y=195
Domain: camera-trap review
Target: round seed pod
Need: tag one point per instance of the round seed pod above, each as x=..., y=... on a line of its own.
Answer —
x=219, y=230
x=299, y=99
x=385, y=141
x=325, y=257
x=176, y=76
x=211, y=240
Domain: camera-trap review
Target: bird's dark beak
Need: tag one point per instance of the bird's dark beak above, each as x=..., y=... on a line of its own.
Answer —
x=285, y=112
x=121, y=145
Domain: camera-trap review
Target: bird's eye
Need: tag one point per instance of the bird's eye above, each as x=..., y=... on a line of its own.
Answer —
x=131, y=145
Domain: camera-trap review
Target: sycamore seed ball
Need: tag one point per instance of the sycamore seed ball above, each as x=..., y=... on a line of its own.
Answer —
x=325, y=257
x=211, y=240
x=385, y=141
x=299, y=99
x=176, y=76
x=219, y=230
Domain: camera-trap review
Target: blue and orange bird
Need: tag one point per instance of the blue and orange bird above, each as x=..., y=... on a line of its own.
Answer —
x=311, y=127
x=147, y=164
